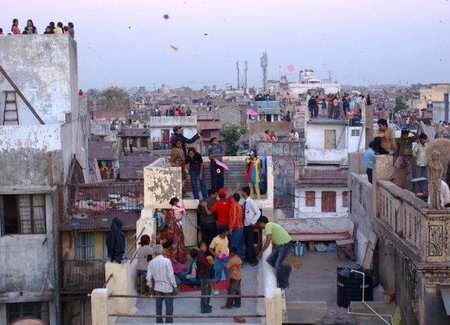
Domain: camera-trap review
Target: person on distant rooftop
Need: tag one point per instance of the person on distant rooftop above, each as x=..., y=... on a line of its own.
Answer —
x=59, y=29
x=71, y=29
x=15, y=27
x=386, y=134
x=29, y=28
x=178, y=136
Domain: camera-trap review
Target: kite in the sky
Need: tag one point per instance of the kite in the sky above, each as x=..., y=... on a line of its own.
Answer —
x=166, y=16
x=290, y=68
x=173, y=47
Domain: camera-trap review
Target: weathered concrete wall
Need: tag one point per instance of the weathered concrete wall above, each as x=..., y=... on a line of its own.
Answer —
x=27, y=263
x=23, y=168
x=287, y=156
x=314, y=225
x=322, y=155
x=280, y=128
x=361, y=211
x=44, y=69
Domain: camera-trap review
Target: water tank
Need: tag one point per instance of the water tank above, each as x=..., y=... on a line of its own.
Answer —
x=349, y=285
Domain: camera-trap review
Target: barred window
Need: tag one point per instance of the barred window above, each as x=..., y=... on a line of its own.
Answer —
x=23, y=214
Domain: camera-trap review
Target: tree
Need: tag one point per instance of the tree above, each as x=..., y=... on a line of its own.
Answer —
x=399, y=104
x=231, y=135
x=114, y=99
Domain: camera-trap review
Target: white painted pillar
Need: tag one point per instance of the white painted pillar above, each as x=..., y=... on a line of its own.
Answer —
x=99, y=306
x=122, y=283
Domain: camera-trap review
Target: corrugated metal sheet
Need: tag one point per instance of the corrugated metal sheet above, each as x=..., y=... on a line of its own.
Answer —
x=102, y=150
x=323, y=175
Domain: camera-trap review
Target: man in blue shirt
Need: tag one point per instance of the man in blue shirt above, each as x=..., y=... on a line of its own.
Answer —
x=369, y=158
x=215, y=151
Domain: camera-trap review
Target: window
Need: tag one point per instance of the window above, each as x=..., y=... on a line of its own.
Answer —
x=355, y=133
x=345, y=199
x=84, y=248
x=310, y=198
x=330, y=139
x=328, y=201
x=27, y=309
x=23, y=214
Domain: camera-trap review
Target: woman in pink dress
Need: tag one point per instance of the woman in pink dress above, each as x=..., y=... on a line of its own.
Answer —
x=15, y=27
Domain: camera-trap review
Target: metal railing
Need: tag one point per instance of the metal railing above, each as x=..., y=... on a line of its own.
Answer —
x=99, y=197
x=82, y=276
x=189, y=316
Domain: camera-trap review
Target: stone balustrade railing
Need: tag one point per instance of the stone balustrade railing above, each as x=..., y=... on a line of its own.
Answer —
x=425, y=231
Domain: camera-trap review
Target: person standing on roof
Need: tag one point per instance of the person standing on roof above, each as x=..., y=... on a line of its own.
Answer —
x=178, y=136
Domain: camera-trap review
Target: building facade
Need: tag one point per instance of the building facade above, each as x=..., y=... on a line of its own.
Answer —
x=43, y=133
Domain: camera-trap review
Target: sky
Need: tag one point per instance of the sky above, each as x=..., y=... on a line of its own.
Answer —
x=130, y=43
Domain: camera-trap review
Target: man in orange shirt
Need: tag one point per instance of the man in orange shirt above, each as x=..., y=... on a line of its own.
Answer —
x=236, y=224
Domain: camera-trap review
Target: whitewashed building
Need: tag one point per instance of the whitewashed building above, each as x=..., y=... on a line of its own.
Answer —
x=43, y=136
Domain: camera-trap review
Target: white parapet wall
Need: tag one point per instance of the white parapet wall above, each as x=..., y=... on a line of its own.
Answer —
x=274, y=304
x=122, y=282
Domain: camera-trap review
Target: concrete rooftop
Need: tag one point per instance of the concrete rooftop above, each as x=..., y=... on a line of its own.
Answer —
x=310, y=299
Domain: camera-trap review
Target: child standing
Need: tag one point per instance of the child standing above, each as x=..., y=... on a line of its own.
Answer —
x=203, y=267
x=178, y=210
x=219, y=249
x=234, y=267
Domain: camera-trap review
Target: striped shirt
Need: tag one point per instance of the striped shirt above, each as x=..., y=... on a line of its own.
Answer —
x=161, y=270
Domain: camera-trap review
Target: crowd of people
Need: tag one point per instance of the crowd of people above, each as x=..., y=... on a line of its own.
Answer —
x=410, y=151
x=336, y=106
x=172, y=111
x=30, y=29
x=226, y=231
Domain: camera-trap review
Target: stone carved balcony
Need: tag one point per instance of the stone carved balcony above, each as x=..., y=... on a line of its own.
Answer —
x=424, y=232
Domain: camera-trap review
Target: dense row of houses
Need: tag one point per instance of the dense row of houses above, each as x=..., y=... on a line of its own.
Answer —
x=59, y=191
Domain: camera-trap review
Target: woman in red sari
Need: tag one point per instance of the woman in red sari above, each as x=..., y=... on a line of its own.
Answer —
x=172, y=239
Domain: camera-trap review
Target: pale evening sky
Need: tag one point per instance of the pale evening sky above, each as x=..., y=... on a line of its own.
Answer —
x=128, y=42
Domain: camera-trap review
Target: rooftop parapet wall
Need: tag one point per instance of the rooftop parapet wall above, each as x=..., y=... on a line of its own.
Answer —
x=172, y=121
x=424, y=231
x=44, y=68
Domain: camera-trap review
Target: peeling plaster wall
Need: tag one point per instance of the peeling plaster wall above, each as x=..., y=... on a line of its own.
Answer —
x=44, y=68
x=38, y=137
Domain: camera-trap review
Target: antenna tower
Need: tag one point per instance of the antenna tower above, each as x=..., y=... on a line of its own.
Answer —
x=264, y=68
x=241, y=74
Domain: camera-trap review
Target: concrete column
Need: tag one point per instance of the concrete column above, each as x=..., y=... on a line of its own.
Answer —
x=122, y=283
x=368, y=123
x=446, y=108
x=382, y=171
x=99, y=306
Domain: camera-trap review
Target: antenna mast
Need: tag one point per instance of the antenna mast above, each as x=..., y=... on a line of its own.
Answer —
x=264, y=68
